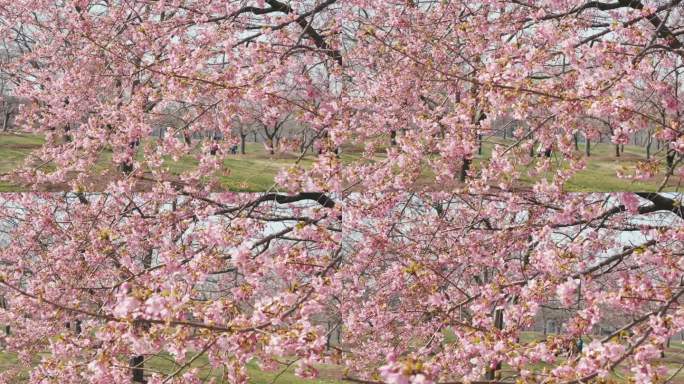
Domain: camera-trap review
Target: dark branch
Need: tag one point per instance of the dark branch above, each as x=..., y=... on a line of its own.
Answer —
x=318, y=197
x=662, y=30
x=306, y=26
x=661, y=203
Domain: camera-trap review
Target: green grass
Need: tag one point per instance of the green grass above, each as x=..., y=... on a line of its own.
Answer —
x=603, y=165
x=166, y=366
x=163, y=364
x=674, y=357
x=255, y=171
x=13, y=149
x=600, y=173
x=7, y=361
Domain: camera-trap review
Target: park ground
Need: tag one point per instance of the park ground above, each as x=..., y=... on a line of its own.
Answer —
x=255, y=170
x=165, y=365
x=330, y=374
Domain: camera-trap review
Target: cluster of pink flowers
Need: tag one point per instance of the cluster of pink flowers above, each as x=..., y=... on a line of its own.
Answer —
x=567, y=292
x=404, y=372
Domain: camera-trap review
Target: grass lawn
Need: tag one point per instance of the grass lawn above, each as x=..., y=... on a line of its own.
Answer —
x=13, y=149
x=165, y=365
x=602, y=167
x=255, y=170
x=674, y=358
x=600, y=173
x=328, y=374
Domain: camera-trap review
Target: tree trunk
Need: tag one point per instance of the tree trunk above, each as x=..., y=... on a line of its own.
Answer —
x=498, y=324
x=137, y=372
x=670, y=157
x=127, y=167
x=137, y=363
x=74, y=326
x=575, y=137
x=393, y=138
x=302, y=142
x=649, y=141
x=5, y=306
x=464, y=170
x=242, y=143
x=5, y=121
x=666, y=345
x=67, y=136
x=587, y=147
x=479, y=144
x=617, y=150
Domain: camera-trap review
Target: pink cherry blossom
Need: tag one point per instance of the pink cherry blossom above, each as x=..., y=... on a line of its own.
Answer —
x=567, y=291
x=631, y=202
x=126, y=307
